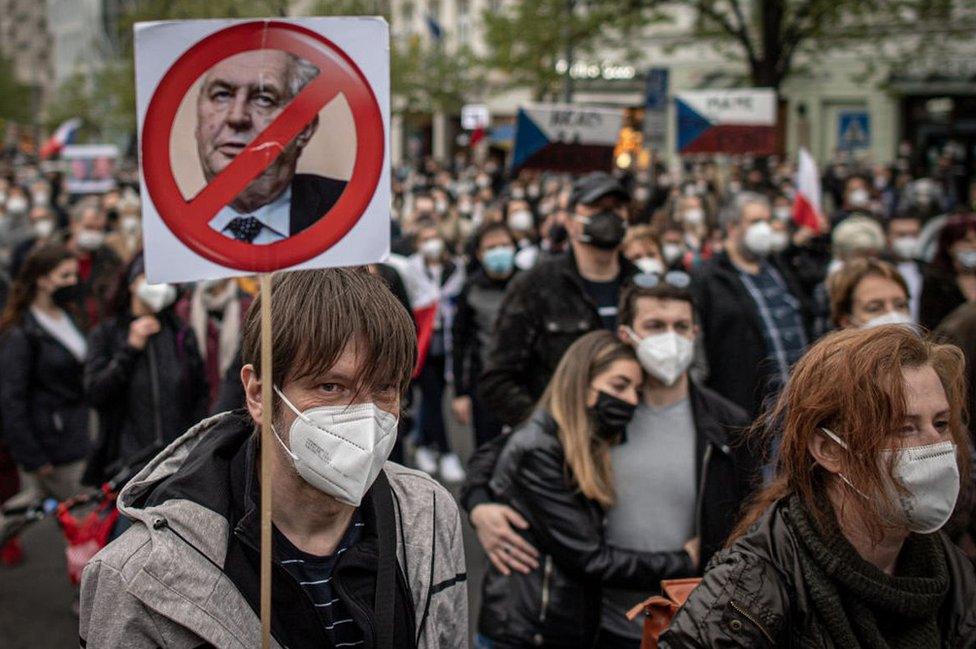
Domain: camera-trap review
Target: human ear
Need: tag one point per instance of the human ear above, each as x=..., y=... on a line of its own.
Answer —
x=826, y=452
x=252, y=392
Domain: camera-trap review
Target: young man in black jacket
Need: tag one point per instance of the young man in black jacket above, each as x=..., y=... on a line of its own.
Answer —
x=551, y=305
x=682, y=472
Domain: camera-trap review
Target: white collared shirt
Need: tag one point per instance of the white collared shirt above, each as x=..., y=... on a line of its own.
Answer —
x=275, y=217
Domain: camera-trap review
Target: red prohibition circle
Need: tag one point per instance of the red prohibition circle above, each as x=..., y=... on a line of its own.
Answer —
x=189, y=220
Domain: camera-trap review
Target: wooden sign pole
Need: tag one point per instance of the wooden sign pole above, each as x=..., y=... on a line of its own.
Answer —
x=267, y=382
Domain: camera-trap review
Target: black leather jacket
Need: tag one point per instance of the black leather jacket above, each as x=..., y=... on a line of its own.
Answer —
x=558, y=605
x=544, y=311
x=754, y=595
x=728, y=468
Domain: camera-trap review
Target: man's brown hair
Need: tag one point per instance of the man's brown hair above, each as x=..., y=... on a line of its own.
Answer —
x=315, y=313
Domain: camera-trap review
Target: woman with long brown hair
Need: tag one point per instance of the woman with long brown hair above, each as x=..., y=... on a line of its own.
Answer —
x=843, y=548
x=42, y=351
x=555, y=471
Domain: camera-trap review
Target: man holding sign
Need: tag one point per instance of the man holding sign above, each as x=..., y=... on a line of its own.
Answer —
x=240, y=97
x=365, y=552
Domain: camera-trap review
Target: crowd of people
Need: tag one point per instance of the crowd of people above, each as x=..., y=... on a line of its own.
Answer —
x=665, y=374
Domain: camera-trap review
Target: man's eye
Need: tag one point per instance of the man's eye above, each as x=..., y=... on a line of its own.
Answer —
x=220, y=95
x=331, y=387
x=265, y=101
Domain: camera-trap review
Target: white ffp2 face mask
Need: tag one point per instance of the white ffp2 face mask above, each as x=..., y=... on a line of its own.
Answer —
x=890, y=318
x=664, y=356
x=156, y=296
x=340, y=450
x=929, y=473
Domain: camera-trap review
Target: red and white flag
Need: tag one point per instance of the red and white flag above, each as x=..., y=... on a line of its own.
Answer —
x=806, y=203
x=424, y=300
x=63, y=135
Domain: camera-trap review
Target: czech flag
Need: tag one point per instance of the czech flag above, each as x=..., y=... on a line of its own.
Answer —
x=806, y=204
x=65, y=134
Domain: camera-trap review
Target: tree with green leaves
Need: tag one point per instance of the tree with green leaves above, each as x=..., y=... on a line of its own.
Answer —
x=527, y=39
x=769, y=35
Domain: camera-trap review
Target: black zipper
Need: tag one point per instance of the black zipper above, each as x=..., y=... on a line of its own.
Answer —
x=546, y=578
x=706, y=460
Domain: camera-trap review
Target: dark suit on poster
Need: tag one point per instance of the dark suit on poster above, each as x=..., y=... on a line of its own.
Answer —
x=311, y=197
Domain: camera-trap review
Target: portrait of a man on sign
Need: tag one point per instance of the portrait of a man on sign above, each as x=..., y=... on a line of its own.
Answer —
x=238, y=98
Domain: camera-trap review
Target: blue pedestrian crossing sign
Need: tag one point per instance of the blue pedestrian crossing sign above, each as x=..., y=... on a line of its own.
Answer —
x=853, y=130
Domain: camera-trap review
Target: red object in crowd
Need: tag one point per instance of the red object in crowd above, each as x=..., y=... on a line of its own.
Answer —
x=11, y=553
x=477, y=136
x=806, y=203
x=87, y=536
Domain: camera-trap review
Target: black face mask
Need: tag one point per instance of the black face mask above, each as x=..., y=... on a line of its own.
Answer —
x=604, y=230
x=66, y=295
x=611, y=416
x=558, y=234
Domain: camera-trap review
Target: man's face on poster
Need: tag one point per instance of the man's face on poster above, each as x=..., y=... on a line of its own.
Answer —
x=240, y=97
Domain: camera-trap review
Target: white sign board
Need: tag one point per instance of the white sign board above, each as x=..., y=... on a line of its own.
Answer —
x=90, y=168
x=566, y=137
x=263, y=145
x=752, y=106
x=475, y=116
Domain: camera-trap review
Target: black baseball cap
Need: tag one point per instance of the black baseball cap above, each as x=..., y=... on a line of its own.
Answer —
x=594, y=186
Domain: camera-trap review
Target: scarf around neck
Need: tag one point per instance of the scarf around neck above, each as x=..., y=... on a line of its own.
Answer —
x=860, y=605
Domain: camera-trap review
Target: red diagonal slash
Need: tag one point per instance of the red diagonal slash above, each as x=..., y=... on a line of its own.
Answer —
x=263, y=150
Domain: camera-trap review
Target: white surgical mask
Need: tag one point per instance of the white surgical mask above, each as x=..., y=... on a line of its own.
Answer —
x=929, y=473
x=889, y=318
x=17, y=205
x=520, y=221
x=759, y=238
x=966, y=259
x=859, y=198
x=694, y=216
x=432, y=248
x=664, y=356
x=90, y=239
x=340, y=450
x=156, y=296
x=43, y=228
x=650, y=265
x=905, y=247
x=129, y=224
x=671, y=252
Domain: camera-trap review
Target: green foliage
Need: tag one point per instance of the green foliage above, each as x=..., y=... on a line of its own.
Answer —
x=526, y=39
x=769, y=34
x=15, y=97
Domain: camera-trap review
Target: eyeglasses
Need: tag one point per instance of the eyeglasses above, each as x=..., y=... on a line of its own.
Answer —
x=675, y=278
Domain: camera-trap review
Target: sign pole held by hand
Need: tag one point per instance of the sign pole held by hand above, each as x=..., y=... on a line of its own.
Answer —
x=267, y=443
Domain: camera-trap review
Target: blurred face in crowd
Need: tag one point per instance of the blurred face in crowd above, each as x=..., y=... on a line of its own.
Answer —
x=782, y=209
x=430, y=244
x=64, y=274
x=654, y=316
x=751, y=214
x=240, y=97
x=608, y=203
x=423, y=206
x=622, y=380
x=42, y=222
x=903, y=234
x=643, y=248
x=857, y=194
x=496, y=252
x=690, y=211
x=964, y=246
x=875, y=296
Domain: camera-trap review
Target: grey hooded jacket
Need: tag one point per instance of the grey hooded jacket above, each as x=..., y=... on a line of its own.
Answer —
x=161, y=584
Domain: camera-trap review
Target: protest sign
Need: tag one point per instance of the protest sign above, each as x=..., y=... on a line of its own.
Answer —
x=90, y=168
x=566, y=137
x=727, y=121
x=263, y=145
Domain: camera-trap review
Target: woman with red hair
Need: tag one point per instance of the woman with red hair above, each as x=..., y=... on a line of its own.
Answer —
x=843, y=548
